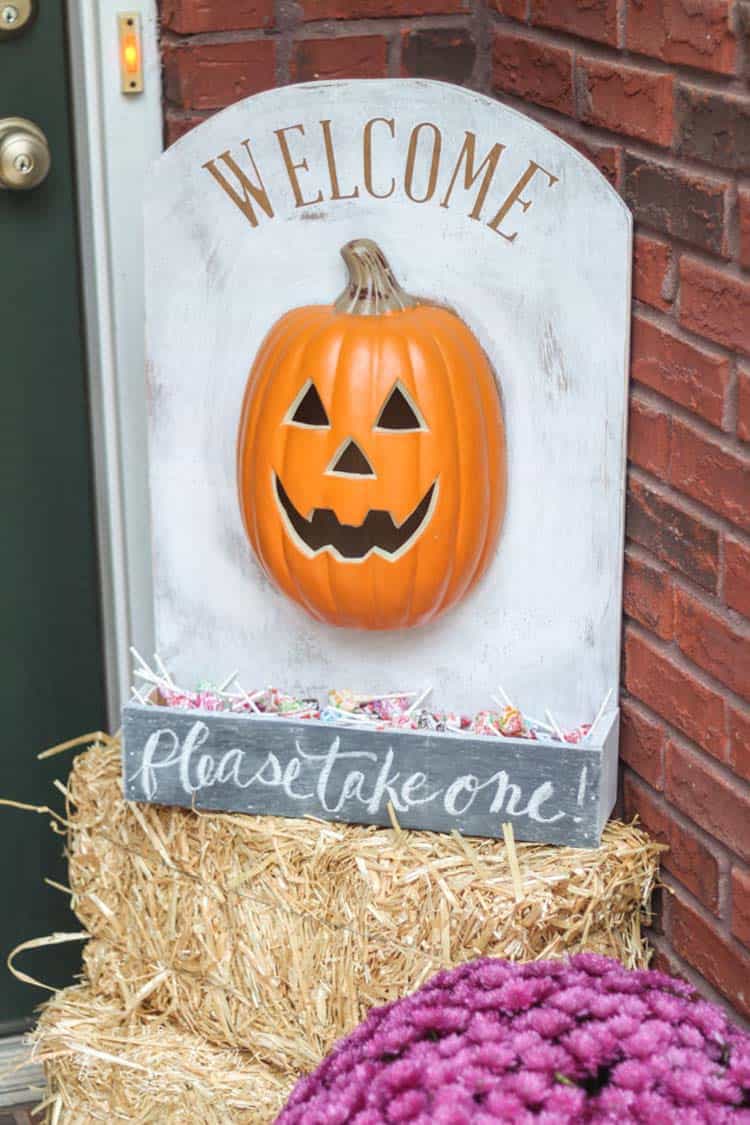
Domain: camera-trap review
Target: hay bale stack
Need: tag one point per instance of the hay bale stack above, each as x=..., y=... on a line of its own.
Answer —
x=104, y=1064
x=276, y=936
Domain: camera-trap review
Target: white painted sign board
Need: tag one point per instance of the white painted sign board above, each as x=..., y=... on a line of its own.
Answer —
x=534, y=257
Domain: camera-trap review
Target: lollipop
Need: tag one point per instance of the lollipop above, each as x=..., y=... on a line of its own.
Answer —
x=510, y=721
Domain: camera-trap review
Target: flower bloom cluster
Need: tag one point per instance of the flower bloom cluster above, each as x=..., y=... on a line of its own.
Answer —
x=581, y=1040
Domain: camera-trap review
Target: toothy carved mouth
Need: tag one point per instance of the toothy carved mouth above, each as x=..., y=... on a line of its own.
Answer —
x=378, y=533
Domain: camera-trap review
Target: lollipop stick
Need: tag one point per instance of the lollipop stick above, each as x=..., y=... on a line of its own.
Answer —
x=555, y=724
x=160, y=665
x=250, y=698
x=599, y=714
x=134, y=652
x=420, y=699
x=538, y=723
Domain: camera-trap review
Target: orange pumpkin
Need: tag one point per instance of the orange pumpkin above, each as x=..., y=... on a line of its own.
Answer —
x=371, y=454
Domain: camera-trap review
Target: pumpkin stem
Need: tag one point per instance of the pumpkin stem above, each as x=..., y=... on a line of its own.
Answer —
x=372, y=289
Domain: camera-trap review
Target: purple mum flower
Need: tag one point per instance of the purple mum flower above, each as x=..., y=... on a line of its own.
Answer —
x=548, y=1043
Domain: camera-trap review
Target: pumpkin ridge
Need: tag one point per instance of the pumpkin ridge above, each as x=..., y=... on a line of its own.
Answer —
x=320, y=330
x=260, y=377
x=417, y=554
x=495, y=505
x=374, y=571
x=458, y=330
x=330, y=562
x=309, y=325
x=425, y=342
x=445, y=600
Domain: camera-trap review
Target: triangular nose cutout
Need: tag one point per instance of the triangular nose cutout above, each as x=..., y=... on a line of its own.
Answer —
x=352, y=461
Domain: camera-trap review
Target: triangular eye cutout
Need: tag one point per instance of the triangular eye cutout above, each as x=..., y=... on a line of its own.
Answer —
x=308, y=409
x=399, y=412
x=351, y=461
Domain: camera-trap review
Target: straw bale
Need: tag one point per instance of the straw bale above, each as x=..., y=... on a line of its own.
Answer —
x=103, y=1064
x=277, y=935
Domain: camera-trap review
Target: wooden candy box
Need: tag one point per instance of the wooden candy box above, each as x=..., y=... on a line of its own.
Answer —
x=550, y=792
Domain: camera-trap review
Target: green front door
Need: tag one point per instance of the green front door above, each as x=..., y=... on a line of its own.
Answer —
x=51, y=676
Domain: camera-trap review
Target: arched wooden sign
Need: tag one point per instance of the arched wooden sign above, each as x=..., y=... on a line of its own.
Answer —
x=404, y=465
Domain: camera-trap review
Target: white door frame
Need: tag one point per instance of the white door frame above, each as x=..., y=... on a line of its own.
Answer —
x=117, y=136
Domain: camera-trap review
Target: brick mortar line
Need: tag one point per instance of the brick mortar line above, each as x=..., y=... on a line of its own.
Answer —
x=621, y=24
x=671, y=651
x=287, y=20
x=682, y=820
x=728, y=858
x=732, y=405
x=724, y=887
x=742, y=32
x=661, y=318
x=722, y=610
x=219, y=38
x=392, y=55
x=693, y=508
x=727, y=442
x=732, y=221
x=483, y=62
x=739, y=784
x=334, y=28
x=643, y=555
x=671, y=732
x=721, y=577
x=700, y=511
x=381, y=27
x=303, y=36
x=177, y=111
x=720, y=525
x=710, y=81
x=319, y=29
x=707, y=916
x=728, y=267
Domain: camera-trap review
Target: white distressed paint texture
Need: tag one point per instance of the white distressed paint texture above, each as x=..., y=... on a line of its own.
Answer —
x=550, y=308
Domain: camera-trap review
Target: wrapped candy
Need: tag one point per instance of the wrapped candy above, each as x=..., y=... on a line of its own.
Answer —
x=343, y=700
x=185, y=700
x=391, y=711
x=209, y=701
x=577, y=734
x=485, y=722
x=510, y=721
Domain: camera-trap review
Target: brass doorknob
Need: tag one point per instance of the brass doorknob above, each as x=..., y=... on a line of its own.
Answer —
x=24, y=154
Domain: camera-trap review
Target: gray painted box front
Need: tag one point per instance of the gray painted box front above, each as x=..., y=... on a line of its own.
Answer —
x=261, y=765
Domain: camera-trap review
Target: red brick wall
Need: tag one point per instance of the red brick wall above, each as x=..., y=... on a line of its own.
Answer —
x=653, y=92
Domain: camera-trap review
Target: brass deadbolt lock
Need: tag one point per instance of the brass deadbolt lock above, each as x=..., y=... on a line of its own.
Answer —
x=24, y=154
x=16, y=16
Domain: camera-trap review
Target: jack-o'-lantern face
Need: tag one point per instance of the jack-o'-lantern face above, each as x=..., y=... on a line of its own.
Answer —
x=378, y=533
x=371, y=459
